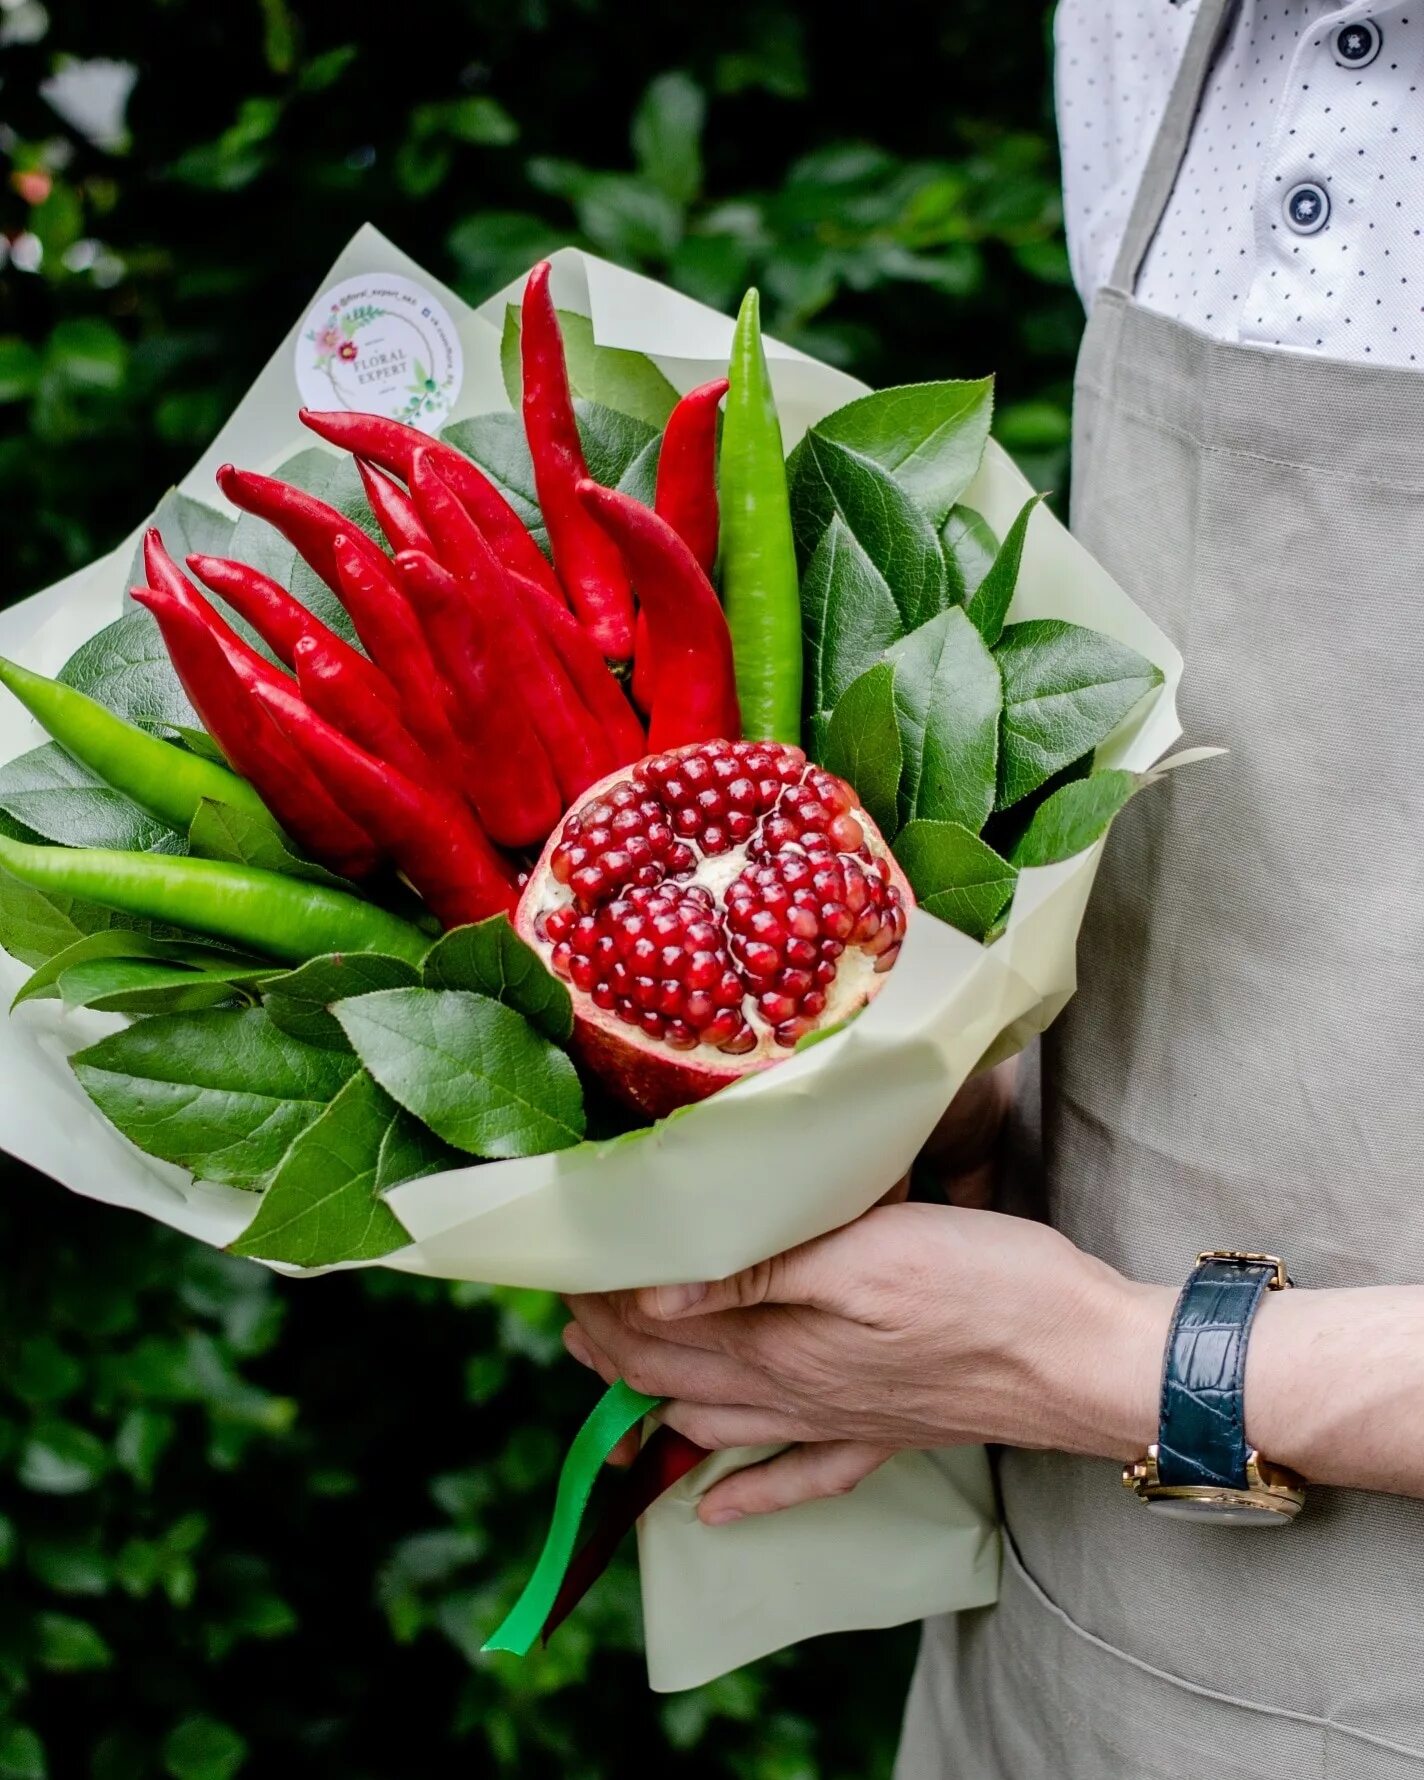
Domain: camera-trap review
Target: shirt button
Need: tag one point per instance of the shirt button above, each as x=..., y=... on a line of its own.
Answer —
x=1357, y=44
x=1307, y=208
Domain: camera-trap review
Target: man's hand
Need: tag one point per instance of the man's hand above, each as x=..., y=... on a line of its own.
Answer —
x=917, y=1326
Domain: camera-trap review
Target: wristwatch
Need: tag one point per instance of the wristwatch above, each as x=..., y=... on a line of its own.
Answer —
x=1201, y=1467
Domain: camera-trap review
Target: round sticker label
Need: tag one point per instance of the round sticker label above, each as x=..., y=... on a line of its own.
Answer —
x=381, y=344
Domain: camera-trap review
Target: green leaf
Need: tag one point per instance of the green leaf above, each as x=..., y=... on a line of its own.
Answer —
x=955, y=876
x=621, y=453
x=52, y=794
x=190, y=528
x=22, y=1755
x=929, y=437
x=989, y=605
x=42, y=1372
x=62, y=1459
x=334, y=479
x=299, y=1001
x=146, y=986
x=474, y=1071
x=667, y=135
x=848, y=620
x=618, y=447
x=608, y=376
x=69, y=1646
x=1074, y=817
x=948, y=699
x=863, y=744
x=222, y=1094
x=970, y=547
x=202, y=1748
x=116, y=942
x=495, y=247
x=1065, y=690
x=829, y=479
x=491, y=959
x=19, y=374
x=219, y=831
x=497, y=444
x=126, y=667
x=324, y=1202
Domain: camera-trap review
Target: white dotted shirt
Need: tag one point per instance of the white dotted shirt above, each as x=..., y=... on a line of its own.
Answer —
x=1297, y=214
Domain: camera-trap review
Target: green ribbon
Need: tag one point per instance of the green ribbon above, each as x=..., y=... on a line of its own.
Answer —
x=617, y=1411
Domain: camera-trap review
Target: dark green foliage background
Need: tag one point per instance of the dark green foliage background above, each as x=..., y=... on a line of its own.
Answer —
x=246, y=1524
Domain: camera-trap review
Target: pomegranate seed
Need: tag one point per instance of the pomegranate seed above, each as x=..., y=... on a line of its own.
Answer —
x=736, y=969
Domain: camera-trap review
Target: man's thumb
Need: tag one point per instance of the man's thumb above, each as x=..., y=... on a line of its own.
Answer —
x=797, y=1277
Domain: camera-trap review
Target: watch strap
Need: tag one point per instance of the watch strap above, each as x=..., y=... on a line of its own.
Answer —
x=1202, y=1433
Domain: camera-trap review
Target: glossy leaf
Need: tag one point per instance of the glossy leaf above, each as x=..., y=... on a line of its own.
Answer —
x=1075, y=816
x=948, y=699
x=629, y=383
x=491, y=959
x=51, y=793
x=955, y=875
x=929, y=437
x=970, y=546
x=474, y=1071
x=219, y=831
x=126, y=667
x=863, y=744
x=848, y=620
x=989, y=605
x=222, y=1094
x=299, y=1001
x=1065, y=690
x=324, y=1203
x=829, y=479
x=137, y=986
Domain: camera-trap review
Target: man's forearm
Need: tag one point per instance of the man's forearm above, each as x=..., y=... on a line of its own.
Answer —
x=1334, y=1381
x=1335, y=1386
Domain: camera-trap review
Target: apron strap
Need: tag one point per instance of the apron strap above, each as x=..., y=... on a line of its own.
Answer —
x=1213, y=21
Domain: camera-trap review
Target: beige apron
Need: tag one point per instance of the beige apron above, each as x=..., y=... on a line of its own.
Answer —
x=1240, y=1067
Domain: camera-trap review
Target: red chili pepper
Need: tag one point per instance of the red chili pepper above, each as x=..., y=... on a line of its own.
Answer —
x=253, y=744
x=586, y=668
x=511, y=778
x=589, y=568
x=574, y=740
x=462, y=549
x=686, y=497
x=360, y=575
x=327, y=684
x=436, y=843
x=165, y=577
x=310, y=525
x=391, y=444
x=695, y=697
x=394, y=510
x=282, y=621
x=387, y=623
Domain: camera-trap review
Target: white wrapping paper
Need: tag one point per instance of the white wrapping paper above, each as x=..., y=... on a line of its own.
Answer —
x=783, y=1157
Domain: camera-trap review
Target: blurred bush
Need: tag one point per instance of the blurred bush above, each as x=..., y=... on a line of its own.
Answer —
x=246, y=1523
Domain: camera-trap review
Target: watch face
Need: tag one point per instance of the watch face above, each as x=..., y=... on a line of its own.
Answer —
x=1222, y=1510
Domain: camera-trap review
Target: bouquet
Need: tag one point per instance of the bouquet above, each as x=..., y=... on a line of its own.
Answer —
x=572, y=818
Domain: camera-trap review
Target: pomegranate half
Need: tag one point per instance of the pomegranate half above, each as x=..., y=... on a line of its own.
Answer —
x=708, y=908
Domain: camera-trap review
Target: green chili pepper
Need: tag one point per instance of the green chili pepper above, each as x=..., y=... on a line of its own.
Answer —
x=167, y=782
x=285, y=918
x=759, y=581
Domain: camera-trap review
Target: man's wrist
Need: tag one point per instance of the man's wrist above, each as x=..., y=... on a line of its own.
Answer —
x=1098, y=1368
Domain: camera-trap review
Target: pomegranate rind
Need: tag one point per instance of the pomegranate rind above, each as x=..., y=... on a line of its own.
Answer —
x=644, y=1071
